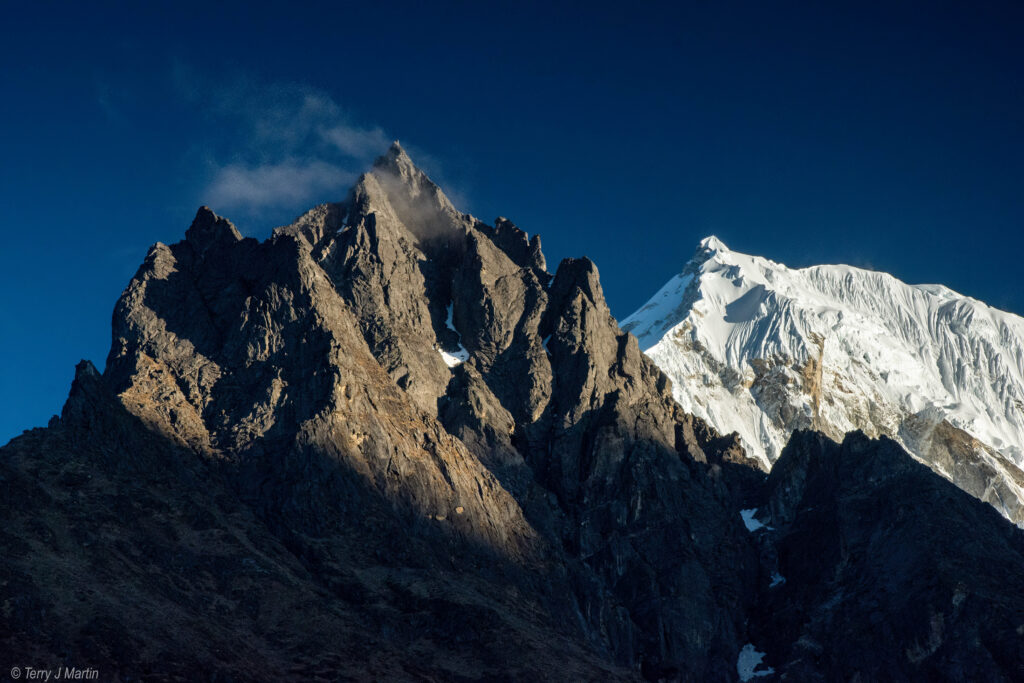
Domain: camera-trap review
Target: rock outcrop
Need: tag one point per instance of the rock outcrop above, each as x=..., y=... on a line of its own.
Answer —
x=910, y=578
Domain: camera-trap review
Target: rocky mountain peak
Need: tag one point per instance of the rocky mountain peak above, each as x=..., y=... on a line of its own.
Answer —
x=396, y=160
x=397, y=192
x=578, y=274
x=395, y=168
x=85, y=388
x=210, y=230
x=85, y=369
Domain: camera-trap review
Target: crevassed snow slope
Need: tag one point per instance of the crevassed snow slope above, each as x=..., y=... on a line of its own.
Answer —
x=761, y=349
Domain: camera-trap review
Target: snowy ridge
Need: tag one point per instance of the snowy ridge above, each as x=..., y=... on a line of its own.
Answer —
x=761, y=349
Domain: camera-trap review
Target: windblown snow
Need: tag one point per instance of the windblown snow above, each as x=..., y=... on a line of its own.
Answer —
x=761, y=349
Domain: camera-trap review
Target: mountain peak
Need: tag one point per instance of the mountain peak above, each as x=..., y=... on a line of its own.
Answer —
x=396, y=161
x=707, y=249
x=712, y=243
x=208, y=229
x=409, y=192
x=396, y=150
x=902, y=360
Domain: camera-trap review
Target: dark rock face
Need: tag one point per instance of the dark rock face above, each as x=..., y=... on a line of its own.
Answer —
x=892, y=573
x=387, y=443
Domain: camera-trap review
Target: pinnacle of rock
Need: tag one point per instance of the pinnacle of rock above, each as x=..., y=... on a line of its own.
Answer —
x=397, y=162
x=209, y=230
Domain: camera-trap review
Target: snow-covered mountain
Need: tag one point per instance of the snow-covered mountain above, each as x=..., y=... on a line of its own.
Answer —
x=761, y=349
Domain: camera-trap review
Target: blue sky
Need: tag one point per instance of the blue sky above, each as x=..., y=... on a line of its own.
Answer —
x=885, y=135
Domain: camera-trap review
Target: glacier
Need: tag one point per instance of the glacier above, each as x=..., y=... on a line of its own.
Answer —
x=760, y=349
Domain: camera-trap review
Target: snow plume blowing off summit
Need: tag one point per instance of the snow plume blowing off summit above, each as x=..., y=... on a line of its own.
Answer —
x=761, y=349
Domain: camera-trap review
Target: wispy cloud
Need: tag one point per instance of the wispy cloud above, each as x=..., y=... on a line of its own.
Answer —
x=274, y=184
x=355, y=142
x=289, y=143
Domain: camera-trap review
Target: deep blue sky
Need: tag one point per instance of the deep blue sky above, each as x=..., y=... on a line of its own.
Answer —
x=886, y=135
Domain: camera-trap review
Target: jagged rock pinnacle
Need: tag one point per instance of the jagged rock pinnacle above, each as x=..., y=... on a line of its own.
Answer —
x=396, y=149
x=208, y=230
x=396, y=160
x=85, y=368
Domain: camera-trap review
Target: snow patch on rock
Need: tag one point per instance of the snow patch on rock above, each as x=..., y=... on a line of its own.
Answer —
x=748, y=661
x=459, y=355
x=750, y=521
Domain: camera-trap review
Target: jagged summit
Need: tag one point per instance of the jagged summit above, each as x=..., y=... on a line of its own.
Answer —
x=396, y=161
x=209, y=229
x=86, y=368
x=396, y=188
x=394, y=154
